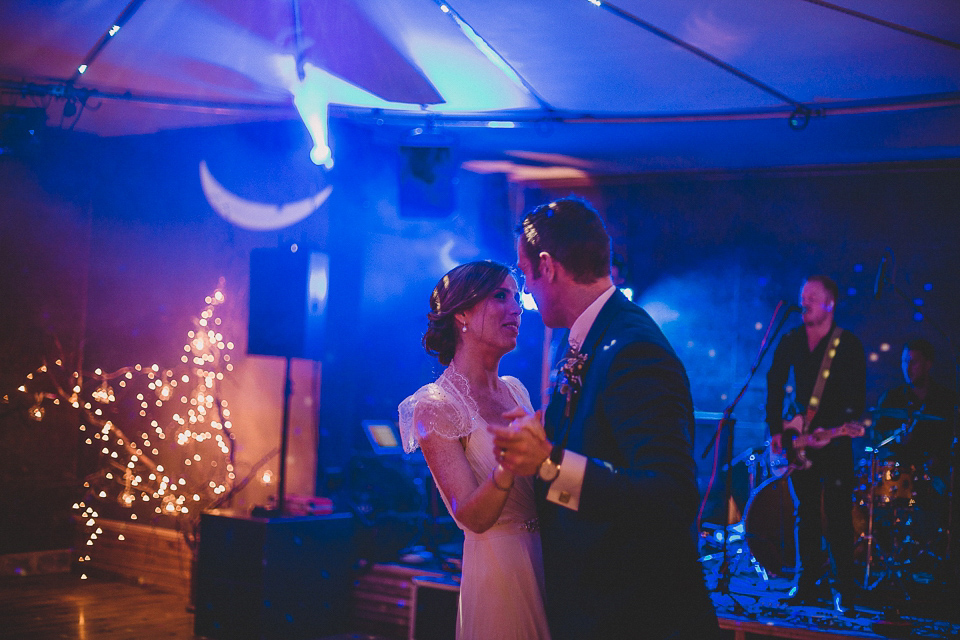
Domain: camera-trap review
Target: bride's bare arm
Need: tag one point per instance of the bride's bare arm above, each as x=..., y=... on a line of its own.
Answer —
x=476, y=506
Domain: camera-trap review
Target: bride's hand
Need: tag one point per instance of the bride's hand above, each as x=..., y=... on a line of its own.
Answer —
x=522, y=445
x=520, y=418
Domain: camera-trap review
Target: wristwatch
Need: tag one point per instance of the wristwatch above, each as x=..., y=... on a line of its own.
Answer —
x=550, y=468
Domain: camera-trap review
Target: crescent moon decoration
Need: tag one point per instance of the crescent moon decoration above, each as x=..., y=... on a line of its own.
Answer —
x=257, y=216
x=446, y=261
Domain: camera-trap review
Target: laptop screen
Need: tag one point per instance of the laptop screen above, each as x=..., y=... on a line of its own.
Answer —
x=384, y=436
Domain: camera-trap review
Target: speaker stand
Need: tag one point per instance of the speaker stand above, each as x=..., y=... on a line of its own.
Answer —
x=284, y=438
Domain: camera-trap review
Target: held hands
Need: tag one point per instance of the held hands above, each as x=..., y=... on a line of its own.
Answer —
x=522, y=445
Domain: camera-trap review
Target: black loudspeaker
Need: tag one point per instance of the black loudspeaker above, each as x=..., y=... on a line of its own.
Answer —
x=427, y=182
x=261, y=578
x=21, y=130
x=288, y=302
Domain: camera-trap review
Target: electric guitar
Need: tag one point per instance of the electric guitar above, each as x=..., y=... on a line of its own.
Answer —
x=796, y=443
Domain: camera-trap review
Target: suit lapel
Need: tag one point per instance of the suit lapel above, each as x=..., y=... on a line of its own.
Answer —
x=558, y=426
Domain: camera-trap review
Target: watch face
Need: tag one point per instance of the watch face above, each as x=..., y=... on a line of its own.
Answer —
x=548, y=470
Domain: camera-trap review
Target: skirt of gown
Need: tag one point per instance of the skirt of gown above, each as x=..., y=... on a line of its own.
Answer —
x=501, y=586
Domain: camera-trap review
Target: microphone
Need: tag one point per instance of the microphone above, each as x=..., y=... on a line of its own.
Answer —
x=794, y=309
x=881, y=276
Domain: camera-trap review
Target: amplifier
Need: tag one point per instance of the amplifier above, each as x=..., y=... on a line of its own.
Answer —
x=282, y=577
x=434, y=603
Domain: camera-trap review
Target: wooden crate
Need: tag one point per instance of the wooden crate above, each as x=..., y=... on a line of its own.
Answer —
x=381, y=599
x=147, y=555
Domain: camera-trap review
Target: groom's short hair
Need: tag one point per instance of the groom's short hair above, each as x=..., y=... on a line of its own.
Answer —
x=571, y=231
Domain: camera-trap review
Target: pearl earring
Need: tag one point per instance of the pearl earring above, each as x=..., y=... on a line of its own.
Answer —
x=464, y=329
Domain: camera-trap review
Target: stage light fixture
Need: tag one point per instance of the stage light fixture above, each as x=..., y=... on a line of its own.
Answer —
x=799, y=119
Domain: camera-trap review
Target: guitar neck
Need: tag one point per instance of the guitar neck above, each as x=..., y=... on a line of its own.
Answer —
x=852, y=429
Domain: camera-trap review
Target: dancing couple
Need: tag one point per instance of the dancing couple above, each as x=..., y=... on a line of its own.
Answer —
x=579, y=522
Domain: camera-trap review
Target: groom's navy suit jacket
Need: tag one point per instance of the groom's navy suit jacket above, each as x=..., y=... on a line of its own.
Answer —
x=625, y=564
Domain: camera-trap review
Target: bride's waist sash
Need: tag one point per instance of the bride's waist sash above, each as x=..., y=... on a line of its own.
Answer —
x=507, y=528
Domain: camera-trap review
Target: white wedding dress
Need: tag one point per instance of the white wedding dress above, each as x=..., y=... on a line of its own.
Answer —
x=501, y=586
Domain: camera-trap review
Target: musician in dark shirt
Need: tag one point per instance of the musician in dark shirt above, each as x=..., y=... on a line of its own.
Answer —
x=929, y=412
x=841, y=400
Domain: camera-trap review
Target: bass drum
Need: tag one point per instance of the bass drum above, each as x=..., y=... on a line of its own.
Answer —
x=769, y=524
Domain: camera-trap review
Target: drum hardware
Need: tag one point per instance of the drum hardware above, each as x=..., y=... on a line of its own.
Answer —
x=751, y=458
x=712, y=538
x=871, y=502
x=872, y=495
x=754, y=459
x=905, y=560
x=726, y=422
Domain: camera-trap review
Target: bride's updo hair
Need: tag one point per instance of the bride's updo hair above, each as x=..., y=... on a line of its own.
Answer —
x=460, y=290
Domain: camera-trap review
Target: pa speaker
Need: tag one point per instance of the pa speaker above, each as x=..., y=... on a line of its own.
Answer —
x=273, y=578
x=426, y=182
x=288, y=302
x=21, y=129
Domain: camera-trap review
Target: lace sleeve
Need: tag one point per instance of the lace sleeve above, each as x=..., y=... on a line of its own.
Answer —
x=431, y=410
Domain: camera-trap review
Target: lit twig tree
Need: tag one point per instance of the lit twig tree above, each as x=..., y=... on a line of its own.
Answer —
x=163, y=434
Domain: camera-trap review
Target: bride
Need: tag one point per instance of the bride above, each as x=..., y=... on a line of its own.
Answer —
x=474, y=320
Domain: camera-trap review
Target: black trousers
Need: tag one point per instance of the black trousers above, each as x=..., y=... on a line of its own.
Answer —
x=830, y=479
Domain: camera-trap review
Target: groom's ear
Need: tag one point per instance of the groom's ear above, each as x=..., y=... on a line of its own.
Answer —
x=548, y=267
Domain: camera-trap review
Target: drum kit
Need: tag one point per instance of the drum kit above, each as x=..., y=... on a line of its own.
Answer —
x=900, y=539
x=897, y=516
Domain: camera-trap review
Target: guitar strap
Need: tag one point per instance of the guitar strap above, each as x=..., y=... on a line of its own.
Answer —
x=822, y=375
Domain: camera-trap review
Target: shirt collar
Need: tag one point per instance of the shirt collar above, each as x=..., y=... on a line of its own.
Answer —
x=581, y=326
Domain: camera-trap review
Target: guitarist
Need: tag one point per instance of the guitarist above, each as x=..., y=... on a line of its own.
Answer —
x=819, y=350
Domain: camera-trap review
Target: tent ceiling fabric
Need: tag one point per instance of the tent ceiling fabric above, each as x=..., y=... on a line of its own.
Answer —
x=601, y=63
x=183, y=63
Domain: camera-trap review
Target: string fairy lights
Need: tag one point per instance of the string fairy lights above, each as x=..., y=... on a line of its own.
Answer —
x=162, y=435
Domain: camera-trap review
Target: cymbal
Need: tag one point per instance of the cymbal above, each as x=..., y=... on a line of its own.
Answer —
x=901, y=414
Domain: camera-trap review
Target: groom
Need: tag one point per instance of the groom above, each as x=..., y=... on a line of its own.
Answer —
x=616, y=480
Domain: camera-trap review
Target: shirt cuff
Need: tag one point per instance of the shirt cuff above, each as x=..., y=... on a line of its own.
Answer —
x=565, y=490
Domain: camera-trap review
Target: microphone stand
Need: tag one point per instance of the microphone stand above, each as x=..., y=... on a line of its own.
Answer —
x=727, y=422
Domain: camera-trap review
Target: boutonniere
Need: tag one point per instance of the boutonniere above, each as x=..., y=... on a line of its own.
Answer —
x=571, y=370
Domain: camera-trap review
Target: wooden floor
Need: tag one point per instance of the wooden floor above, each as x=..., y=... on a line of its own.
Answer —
x=64, y=606
x=47, y=607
